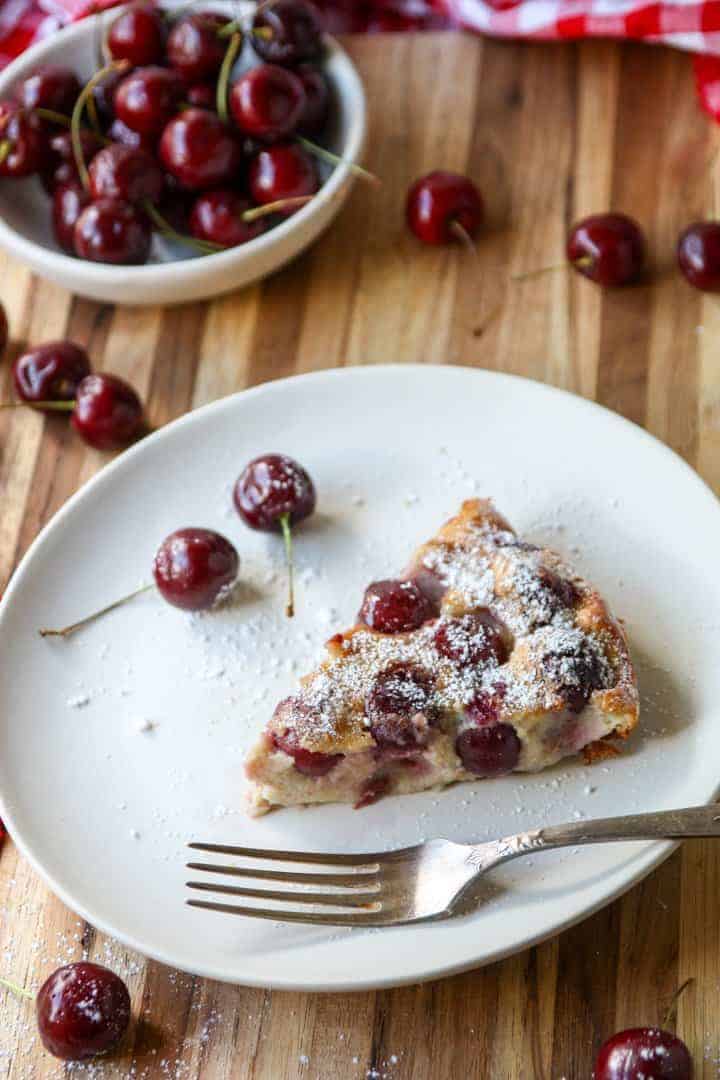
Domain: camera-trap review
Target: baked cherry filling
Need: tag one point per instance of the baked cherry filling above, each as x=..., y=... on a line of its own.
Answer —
x=396, y=707
x=485, y=706
x=395, y=607
x=563, y=590
x=489, y=751
x=472, y=639
x=575, y=670
x=307, y=762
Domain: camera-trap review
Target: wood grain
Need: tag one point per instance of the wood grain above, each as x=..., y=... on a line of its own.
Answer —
x=550, y=133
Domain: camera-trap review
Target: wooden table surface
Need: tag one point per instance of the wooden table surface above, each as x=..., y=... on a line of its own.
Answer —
x=550, y=133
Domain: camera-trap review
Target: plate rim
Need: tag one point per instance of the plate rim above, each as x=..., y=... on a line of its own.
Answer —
x=649, y=856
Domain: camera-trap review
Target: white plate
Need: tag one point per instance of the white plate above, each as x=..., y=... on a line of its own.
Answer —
x=174, y=275
x=393, y=451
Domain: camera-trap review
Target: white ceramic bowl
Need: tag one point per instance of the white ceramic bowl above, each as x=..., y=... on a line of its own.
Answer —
x=174, y=275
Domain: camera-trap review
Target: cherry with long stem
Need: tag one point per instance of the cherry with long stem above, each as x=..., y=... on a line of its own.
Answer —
x=224, y=75
x=49, y=406
x=66, y=631
x=284, y=520
x=19, y=991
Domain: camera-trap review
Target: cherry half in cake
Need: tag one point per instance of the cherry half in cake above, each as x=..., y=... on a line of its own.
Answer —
x=487, y=656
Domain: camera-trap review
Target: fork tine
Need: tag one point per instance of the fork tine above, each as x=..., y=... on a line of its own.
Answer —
x=368, y=901
x=359, y=918
x=354, y=878
x=368, y=861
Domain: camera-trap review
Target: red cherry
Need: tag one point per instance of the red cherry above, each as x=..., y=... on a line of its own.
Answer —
x=698, y=255
x=398, y=695
x=108, y=413
x=272, y=487
x=307, y=762
x=61, y=168
x=202, y=95
x=82, y=1010
x=471, y=639
x=199, y=151
x=607, y=248
x=317, y=100
x=50, y=372
x=395, y=607
x=138, y=36
x=127, y=173
x=442, y=207
x=147, y=98
x=290, y=32
x=489, y=751
x=68, y=202
x=23, y=141
x=193, y=568
x=573, y=669
x=283, y=171
x=643, y=1054
x=217, y=216
x=267, y=102
x=50, y=87
x=104, y=94
x=195, y=48
x=111, y=231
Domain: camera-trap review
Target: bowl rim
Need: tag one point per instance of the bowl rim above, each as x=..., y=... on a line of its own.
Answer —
x=61, y=264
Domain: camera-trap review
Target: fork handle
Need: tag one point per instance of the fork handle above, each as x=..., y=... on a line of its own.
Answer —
x=661, y=825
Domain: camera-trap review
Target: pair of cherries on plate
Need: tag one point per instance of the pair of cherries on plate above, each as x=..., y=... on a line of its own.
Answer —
x=609, y=249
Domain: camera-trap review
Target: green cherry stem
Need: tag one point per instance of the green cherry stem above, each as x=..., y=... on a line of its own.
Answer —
x=284, y=520
x=5, y=148
x=52, y=116
x=292, y=203
x=464, y=237
x=68, y=630
x=19, y=991
x=50, y=406
x=335, y=159
x=163, y=226
x=76, y=118
x=224, y=76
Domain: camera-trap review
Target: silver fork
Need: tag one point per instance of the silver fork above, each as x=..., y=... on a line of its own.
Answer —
x=412, y=884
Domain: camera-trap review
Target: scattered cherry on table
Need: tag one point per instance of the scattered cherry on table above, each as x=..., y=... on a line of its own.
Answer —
x=645, y=1052
x=108, y=414
x=609, y=249
x=444, y=206
x=194, y=568
x=272, y=494
x=698, y=255
x=83, y=1010
x=50, y=372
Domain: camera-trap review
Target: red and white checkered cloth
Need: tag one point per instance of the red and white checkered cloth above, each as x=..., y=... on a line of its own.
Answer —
x=685, y=24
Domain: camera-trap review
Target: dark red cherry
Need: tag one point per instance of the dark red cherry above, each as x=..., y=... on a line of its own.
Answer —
x=395, y=607
x=607, y=248
x=643, y=1054
x=698, y=255
x=127, y=173
x=103, y=93
x=267, y=102
x=195, y=48
x=193, y=568
x=471, y=639
x=147, y=98
x=282, y=171
x=50, y=87
x=217, y=216
x=290, y=32
x=489, y=751
x=138, y=35
x=574, y=669
x=112, y=231
x=175, y=206
x=317, y=100
x=23, y=141
x=443, y=206
x=308, y=762
x=398, y=695
x=484, y=708
x=61, y=167
x=199, y=150
x=271, y=487
x=82, y=1010
x=202, y=95
x=108, y=413
x=68, y=202
x=50, y=372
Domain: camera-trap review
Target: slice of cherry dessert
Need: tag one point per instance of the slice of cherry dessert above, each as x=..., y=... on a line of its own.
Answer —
x=487, y=656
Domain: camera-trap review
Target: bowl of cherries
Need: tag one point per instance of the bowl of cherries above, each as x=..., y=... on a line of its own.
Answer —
x=156, y=156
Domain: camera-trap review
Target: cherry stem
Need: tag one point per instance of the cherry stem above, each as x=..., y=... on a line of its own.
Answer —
x=52, y=116
x=163, y=226
x=463, y=236
x=5, y=148
x=18, y=990
x=68, y=630
x=51, y=406
x=76, y=118
x=224, y=76
x=292, y=203
x=672, y=1007
x=284, y=520
x=335, y=159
